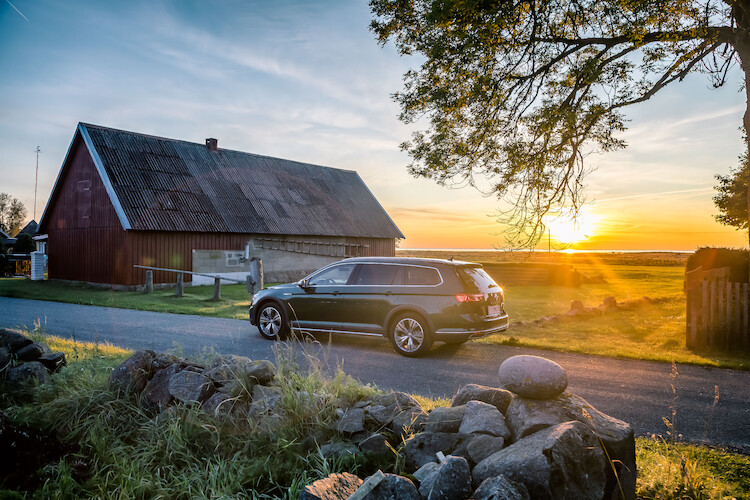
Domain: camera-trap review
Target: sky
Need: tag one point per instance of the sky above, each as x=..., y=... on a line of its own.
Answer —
x=307, y=81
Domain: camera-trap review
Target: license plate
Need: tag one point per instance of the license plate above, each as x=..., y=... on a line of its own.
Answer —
x=494, y=310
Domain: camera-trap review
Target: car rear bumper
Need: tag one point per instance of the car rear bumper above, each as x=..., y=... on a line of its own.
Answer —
x=460, y=334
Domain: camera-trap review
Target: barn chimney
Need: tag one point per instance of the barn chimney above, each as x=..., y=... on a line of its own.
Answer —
x=212, y=144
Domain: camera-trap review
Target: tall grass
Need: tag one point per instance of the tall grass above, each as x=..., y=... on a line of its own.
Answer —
x=129, y=452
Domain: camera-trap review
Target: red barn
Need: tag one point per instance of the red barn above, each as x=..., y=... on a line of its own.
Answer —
x=123, y=199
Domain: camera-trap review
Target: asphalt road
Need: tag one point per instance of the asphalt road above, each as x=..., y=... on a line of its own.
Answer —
x=639, y=392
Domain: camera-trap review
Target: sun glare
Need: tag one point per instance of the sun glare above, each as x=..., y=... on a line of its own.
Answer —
x=567, y=230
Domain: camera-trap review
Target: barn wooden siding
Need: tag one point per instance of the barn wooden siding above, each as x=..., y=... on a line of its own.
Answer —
x=89, y=244
x=87, y=234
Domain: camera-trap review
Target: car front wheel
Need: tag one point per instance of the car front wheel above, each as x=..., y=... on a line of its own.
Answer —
x=272, y=322
x=410, y=335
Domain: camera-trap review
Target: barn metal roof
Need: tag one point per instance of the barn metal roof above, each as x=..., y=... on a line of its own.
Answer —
x=160, y=184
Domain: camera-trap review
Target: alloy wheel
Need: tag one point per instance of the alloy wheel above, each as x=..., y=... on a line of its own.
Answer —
x=408, y=335
x=270, y=321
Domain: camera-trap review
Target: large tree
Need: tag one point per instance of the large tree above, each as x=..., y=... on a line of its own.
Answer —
x=731, y=197
x=517, y=93
x=12, y=214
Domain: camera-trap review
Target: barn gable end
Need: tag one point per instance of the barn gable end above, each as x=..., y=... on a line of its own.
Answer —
x=124, y=199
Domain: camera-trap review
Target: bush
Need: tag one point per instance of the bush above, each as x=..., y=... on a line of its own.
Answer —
x=714, y=258
x=24, y=244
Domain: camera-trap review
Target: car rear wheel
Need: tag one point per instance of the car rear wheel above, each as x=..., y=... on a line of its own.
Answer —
x=272, y=321
x=410, y=335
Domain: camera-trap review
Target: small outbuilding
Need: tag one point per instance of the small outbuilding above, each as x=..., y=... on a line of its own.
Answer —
x=123, y=199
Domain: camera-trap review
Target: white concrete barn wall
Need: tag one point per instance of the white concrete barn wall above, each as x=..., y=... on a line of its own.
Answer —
x=279, y=266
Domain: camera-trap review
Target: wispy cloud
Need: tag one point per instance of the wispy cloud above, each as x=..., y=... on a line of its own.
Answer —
x=677, y=192
x=19, y=12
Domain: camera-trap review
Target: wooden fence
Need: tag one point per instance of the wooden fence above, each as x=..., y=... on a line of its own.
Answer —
x=718, y=311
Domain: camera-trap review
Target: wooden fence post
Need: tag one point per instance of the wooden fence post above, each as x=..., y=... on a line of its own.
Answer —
x=149, y=281
x=217, y=289
x=180, y=284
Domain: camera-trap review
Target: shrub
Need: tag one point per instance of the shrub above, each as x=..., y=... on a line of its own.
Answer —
x=714, y=258
x=24, y=244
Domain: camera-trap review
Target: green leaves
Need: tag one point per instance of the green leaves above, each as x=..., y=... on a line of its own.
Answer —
x=517, y=93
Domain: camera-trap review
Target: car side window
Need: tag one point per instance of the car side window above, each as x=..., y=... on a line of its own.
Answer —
x=335, y=275
x=424, y=276
x=376, y=274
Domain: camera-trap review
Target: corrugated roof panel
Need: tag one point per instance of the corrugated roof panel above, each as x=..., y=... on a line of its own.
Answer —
x=191, y=188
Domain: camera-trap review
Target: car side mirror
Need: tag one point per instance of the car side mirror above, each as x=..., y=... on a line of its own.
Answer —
x=305, y=284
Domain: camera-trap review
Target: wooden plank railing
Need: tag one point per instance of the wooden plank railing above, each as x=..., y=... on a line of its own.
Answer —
x=718, y=311
x=254, y=279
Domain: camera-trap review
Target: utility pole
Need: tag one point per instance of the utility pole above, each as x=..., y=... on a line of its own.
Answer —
x=36, y=180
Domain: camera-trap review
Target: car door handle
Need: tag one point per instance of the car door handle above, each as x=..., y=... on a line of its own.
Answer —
x=337, y=292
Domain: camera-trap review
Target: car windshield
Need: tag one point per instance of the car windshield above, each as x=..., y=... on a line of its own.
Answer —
x=477, y=280
x=335, y=275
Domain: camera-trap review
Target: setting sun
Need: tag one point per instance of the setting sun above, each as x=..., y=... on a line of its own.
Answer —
x=568, y=230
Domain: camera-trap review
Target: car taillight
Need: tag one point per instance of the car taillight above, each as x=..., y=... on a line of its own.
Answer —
x=466, y=297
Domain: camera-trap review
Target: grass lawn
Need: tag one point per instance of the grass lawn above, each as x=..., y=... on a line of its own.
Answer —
x=651, y=329
x=116, y=450
x=234, y=302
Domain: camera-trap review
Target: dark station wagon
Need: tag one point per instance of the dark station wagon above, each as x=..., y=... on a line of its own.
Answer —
x=413, y=302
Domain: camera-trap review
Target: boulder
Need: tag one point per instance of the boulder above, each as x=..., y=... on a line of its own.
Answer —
x=576, y=308
x=381, y=416
x=351, y=422
x=27, y=373
x=445, y=419
x=482, y=446
x=53, y=361
x=424, y=473
x=188, y=386
x=32, y=351
x=451, y=480
x=133, y=374
x=409, y=421
x=392, y=487
x=335, y=486
x=163, y=360
x=156, y=394
x=609, y=303
x=218, y=405
x=377, y=445
x=501, y=488
x=526, y=416
x=562, y=462
x=421, y=448
x=265, y=400
x=401, y=399
x=483, y=418
x=499, y=398
x=338, y=450
x=262, y=371
x=13, y=341
x=533, y=377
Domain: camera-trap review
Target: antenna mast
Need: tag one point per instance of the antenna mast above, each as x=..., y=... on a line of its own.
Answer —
x=36, y=179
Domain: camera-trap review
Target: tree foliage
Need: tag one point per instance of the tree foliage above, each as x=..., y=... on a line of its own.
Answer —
x=515, y=94
x=24, y=244
x=731, y=199
x=12, y=214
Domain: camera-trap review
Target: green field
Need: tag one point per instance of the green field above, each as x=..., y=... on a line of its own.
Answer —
x=649, y=325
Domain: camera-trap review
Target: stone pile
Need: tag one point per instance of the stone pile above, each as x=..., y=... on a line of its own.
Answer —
x=163, y=380
x=528, y=439
x=23, y=361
